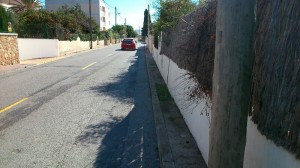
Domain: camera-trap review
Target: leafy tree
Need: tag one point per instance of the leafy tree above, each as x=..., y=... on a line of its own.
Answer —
x=36, y=24
x=120, y=30
x=145, y=24
x=64, y=24
x=79, y=16
x=169, y=12
x=24, y=5
x=130, y=32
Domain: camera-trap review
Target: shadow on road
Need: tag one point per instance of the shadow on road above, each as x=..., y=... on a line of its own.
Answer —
x=129, y=141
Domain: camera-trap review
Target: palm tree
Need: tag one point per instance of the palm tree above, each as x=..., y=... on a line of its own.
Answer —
x=23, y=5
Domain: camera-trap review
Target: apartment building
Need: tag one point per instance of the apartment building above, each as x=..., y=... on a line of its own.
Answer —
x=99, y=11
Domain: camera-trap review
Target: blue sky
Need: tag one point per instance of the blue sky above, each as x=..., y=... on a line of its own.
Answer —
x=132, y=10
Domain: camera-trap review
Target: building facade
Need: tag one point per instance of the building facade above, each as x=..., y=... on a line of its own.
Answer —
x=99, y=11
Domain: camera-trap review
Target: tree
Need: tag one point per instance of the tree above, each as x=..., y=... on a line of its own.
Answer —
x=81, y=19
x=145, y=24
x=62, y=24
x=24, y=5
x=36, y=24
x=168, y=12
x=4, y=19
x=232, y=83
x=120, y=30
x=130, y=32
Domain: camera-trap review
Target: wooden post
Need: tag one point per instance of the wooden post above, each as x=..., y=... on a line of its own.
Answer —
x=231, y=82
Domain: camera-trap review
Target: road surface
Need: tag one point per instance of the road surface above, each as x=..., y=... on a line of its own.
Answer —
x=89, y=110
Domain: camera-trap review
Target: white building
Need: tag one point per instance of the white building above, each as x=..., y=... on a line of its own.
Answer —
x=99, y=11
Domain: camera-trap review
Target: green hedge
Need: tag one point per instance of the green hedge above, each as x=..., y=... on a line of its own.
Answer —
x=86, y=37
x=73, y=37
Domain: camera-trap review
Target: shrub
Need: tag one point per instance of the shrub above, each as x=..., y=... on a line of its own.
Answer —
x=86, y=37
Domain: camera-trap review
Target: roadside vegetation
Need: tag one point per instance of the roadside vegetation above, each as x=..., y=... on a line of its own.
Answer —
x=121, y=30
x=163, y=93
x=30, y=20
x=169, y=12
x=168, y=15
x=189, y=36
x=4, y=19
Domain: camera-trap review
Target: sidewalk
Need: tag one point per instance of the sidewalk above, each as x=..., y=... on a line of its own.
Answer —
x=177, y=147
x=38, y=61
x=27, y=64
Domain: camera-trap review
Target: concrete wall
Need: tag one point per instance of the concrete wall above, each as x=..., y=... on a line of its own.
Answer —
x=196, y=113
x=66, y=47
x=37, y=48
x=43, y=48
x=9, y=53
x=259, y=152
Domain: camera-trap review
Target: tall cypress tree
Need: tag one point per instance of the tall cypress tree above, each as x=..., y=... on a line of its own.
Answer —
x=3, y=19
x=145, y=24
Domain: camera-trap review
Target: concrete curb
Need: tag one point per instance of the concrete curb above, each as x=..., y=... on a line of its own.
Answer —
x=164, y=147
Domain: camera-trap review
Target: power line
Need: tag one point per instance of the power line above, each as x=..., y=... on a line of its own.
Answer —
x=118, y=13
x=108, y=4
x=120, y=16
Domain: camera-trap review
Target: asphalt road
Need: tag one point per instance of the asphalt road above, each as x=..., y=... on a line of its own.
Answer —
x=89, y=110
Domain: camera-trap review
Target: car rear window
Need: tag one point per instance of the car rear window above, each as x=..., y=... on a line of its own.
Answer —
x=127, y=40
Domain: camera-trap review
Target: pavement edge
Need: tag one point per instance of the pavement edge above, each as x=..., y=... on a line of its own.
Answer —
x=164, y=147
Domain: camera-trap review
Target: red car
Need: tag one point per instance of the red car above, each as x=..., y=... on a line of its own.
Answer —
x=128, y=43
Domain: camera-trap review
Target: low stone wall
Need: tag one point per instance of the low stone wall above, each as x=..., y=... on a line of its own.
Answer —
x=9, y=53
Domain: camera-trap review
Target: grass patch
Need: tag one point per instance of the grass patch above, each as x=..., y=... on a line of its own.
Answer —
x=163, y=93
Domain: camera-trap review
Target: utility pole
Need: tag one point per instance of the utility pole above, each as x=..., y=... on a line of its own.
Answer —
x=90, y=13
x=231, y=83
x=148, y=32
x=125, y=33
x=116, y=15
x=148, y=22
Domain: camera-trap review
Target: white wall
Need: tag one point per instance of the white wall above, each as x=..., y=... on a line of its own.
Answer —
x=43, y=48
x=37, y=48
x=259, y=152
x=196, y=113
x=263, y=153
x=66, y=47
